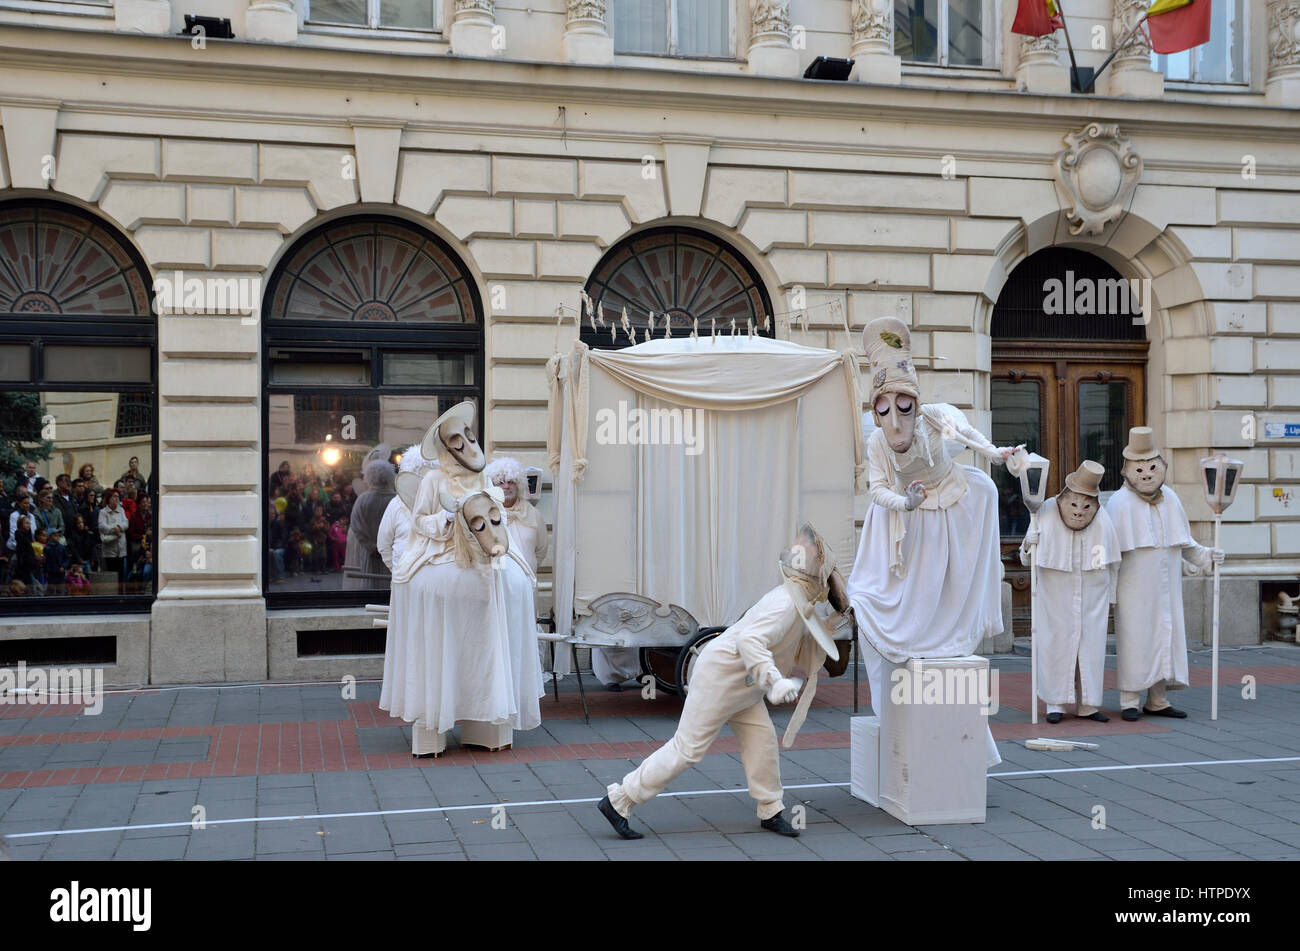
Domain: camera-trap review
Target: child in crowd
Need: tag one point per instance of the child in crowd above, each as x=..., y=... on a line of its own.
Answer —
x=338, y=542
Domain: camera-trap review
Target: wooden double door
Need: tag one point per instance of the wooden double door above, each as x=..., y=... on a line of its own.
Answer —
x=1068, y=401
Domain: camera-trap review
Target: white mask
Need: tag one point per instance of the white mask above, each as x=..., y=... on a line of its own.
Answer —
x=896, y=416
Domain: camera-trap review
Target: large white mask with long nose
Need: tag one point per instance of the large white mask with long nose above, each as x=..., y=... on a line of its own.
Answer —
x=459, y=439
x=896, y=416
x=486, y=523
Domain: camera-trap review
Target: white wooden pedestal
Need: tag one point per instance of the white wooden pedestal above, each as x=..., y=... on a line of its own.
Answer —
x=490, y=736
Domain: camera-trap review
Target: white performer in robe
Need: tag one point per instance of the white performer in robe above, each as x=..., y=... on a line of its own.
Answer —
x=462, y=639
x=926, y=579
x=756, y=657
x=1077, y=553
x=1154, y=537
x=528, y=534
x=396, y=523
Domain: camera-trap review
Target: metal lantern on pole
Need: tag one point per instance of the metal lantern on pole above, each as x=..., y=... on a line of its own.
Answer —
x=1220, y=477
x=1031, y=468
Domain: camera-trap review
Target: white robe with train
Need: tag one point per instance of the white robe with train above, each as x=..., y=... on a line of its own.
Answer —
x=926, y=583
x=1077, y=572
x=1150, y=633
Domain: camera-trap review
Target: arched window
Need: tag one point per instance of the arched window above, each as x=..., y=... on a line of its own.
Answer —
x=77, y=398
x=373, y=327
x=681, y=273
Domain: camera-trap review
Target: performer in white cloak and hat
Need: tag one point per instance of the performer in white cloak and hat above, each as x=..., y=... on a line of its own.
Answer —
x=1077, y=553
x=1155, y=538
x=790, y=628
x=396, y=523
x=528, y=535
x=926, y=579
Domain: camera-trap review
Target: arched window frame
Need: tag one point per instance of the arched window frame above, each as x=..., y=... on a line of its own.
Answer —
x=601, y=274
x=89, y=330
x=341, y=338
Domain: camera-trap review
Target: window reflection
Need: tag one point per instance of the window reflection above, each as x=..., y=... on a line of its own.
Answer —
x=77, y=496
x=1103, y=426
x=333, y=462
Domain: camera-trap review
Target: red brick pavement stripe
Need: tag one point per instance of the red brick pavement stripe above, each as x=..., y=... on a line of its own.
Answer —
x=318, y=746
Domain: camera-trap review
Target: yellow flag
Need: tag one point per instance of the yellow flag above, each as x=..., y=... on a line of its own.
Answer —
x=1165, y=6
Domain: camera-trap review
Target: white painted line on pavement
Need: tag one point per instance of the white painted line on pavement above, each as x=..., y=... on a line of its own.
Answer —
x=572, y=802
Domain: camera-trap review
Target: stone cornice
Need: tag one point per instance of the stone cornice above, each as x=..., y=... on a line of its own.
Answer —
x=158, y=58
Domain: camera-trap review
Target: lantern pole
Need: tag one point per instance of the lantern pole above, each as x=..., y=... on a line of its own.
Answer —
x=1033, y=623
x=1214, y=652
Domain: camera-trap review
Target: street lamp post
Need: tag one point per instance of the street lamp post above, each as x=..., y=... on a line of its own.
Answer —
x=1032, y=470
x=1220, y=476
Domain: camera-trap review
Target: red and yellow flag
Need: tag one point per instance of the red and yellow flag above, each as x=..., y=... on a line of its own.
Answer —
x=1036, y=18
x=1177, y=25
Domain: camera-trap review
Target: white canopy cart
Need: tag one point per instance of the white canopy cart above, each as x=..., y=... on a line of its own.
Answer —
x=681, y=468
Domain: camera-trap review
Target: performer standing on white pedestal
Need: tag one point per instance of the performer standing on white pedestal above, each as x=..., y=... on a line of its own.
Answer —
x=1155, y=538
x=755, y=657
x=926, y=579
x=1078, y=561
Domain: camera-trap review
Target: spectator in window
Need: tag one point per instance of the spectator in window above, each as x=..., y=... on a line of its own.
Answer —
x=141, y=573
x=22, y=510
x=47, y=513
x=293, y=551
x=112, y=534
x=318, y=535
x=338, y=543
x=6, y=509
x=24, y=558
x=133, y=472
x=128, y=503
x=138, y=527
x=280, y=477
x=87, y=475
x=278, y=539
x=81, y=541
x=293, y=506
x=78, y=583
x=56, y=562
x=64, y=498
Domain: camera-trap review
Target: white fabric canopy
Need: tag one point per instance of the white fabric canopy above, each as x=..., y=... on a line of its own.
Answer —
x=770, y=436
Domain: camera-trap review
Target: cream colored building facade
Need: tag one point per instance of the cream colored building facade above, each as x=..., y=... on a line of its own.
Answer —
x=519, y=136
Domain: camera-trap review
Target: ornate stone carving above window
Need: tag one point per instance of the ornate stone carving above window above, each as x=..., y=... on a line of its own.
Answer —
x=1098, y=170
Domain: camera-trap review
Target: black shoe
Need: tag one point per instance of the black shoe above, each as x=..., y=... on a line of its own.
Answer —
x=615, y=688
x=778, y=825
x=1098, y=716
x=1053, y=718
x=1166, y=712
x=618, y=822
x=1129, y=713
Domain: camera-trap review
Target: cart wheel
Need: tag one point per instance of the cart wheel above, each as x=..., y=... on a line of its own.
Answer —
x=686, y=660
x=661, y=664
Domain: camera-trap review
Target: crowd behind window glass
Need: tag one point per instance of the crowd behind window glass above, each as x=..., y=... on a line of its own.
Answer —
x=78, y=534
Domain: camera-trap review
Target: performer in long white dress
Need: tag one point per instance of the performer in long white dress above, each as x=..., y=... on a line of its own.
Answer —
x=1077, y=553
x=1155, y=538
x=756, y=657
x=362, y=565
x=926, y=579
x=459, y=663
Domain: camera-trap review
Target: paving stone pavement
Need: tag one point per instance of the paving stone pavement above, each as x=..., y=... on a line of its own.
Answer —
x=181, y=773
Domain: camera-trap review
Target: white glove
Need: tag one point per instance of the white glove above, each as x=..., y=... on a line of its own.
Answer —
x=784, y=690
x=1216, y=556
x=1031, y=539
x=916, y=494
